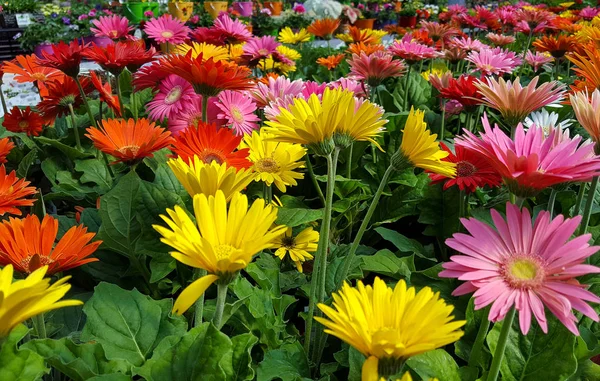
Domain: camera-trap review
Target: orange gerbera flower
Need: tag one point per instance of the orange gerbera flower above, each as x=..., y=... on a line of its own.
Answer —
x=18, y=120
x=331, y=62
x=362, y=35
x=557, y=46
x=208, y=77
x=106, y=94
x=65, y=57
x=211, y=144
x=323, y=28
x=28, y=245
x=13, y=193
x=128, y=140
x=360, y=47
x=5, y=147
x=265, y=79
x=588, y=67
x=27, y=69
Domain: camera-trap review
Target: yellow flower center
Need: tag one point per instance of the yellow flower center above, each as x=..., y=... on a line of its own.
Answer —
x=224, y=251
x=263, y=52
x=267, y=164
x=34, y=262
x=38, y=76
x=237, y=115
x=130, y=149
x=167, y=34
x=173, y=96
x=114, y=33
x=523, y=272
x=23, y=124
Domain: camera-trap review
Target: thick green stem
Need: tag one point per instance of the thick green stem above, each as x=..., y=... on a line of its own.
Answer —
x=199, y=308
x=579, y=200
x=221, y=297
x=40, y=326
x=267, y=193
x=311, y=173
x=204, y=108
x=75, y=129
x=480, y=339
x=587, y=212
x=501, y=345
x=85, y=103
x=120, y=95
x=406, y=82
x=4, y=108
x=349, y=162
x=552, y=201
x=443, y=121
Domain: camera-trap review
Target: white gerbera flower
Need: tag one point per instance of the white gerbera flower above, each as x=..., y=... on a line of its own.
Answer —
x=547, y=120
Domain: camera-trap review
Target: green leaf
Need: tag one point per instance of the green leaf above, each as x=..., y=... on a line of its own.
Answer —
x=385, y=262
x=402, y=243
x=78, y=361
x=465, y=344
x=26, y=163
x=202, y=354
x=19, y=364
x=355, y=364
x=296, y=216
x=242, y=359
x=439, y=210
x=288, y=363
x=72, y=153
x=96, y=172
x=537, y=356
x=435, y=364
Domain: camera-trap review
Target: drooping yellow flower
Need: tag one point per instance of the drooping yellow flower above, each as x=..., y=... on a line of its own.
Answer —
x=438, y=69
x=362, y=121
x=287, y=36
x=421, y=149
x=198, y=177
x=567, y=4
x=223, y=242
x=298, y=247
x=290, y=53
x=274, y=162
x=269, y=64
x=388, y=324
x=29, y=297
x=217, y=53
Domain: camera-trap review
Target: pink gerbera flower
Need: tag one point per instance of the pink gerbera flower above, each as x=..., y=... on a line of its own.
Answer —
x=412, y=51
x=167, y=29
x=588, y=13
x=537, y=60
x=174, y=95
x=488, y=61
x=233, y=31
x=275, y=88
x=500, y=39
x=467, y=44
x=528, y=266
x=349, y=84
x=312, y=87
x=237, y=110
x=192, y=115
x=259, y=48
x=114, y=27
x=375, y=68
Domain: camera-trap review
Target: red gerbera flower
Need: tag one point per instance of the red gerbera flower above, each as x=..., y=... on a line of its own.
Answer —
x=208, y=35
x=64, y=57
x=5, y=147
x=211, y=144
x=13, y=193
x=61, y=94
x=463, y=90
x=106, y=95
x=116, y=57
x=472, y=171
x=18, y=120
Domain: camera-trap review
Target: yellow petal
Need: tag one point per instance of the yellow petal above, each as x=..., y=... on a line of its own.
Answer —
x=369, y=369
x=193, y=293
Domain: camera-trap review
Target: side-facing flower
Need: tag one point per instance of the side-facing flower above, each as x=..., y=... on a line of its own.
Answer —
x=586, y=108
x=375, y=68
x=299, y=248
x=106, y=95
x=64, y=57
x=288, y=36
x=5, y=147
x=14, y=193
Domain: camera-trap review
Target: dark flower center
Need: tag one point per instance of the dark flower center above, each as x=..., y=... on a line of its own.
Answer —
x=465, y=169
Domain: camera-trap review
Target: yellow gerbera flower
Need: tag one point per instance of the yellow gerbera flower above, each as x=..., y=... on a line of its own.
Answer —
x=388, y=324
x=421, y=149
x=438, y=69
x=217, y=53
x=299, y=247
x=290, y=53
x=274, y=162
x=287, y=36
x=371, y=373
x=236, y=51
x=29, y=297
x=269, y=64
x=198, y=177
x=223, y=242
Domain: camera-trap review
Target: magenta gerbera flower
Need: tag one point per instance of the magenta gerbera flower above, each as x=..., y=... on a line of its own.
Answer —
x=114, y=27
x=537, y=60
x=493, y=61
x=174, y=95
x=166, y=28
x=237, y=110
x=312, y=87
x=232, y=31
x=192, y=115
x=528, y=266
x=259, y=48
x=412, y=51
x=275, y=88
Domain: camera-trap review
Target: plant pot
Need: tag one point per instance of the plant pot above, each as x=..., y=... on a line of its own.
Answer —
x=364, y=23
x=183, y=11
x=23, y=19
x=214, y=8
x=274, y=6
x=244, y=8
x=43, y=47
x=407, y=21
x=134, y=11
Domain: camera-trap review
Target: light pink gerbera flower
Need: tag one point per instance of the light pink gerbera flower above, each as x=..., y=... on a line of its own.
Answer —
x=349, y=84
x=537, y=60
x=233, y=31
x=174, y=95
x=237, y=110
x=528, y=266
x=500, y=39
x=276, y=88
x=114, y=27
x=412, y=51
x=507, y=15
x=273, y=109
x=259, y=48
x=375, y=68
x=167, y=29
x=488, y=62
x=192, y=115
x=467, y=44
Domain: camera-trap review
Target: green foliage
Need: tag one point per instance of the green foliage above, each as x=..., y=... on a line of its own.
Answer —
x=19, y=364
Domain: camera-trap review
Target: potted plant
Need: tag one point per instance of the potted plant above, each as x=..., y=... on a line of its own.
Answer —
x=214, y=8
x=348, y=17
x=17, y=13
x=243, y=8
x=295, y=20
x=408, y=15
x=263, y=24
x=38, y=37
x=387, y=16
x=134, y=10
x=274, y=6
x=367, y=17
x=182, y=10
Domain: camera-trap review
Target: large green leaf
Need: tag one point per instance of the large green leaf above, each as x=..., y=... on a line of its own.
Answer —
x=26, y=163
x=296, y=216
x=288, y=363
x=386, y=263
x=70, y=152
x=19, y=364
x=435, y=364
x=402, y=243
x=95, y=172
x=242, y=359
x=439, y=210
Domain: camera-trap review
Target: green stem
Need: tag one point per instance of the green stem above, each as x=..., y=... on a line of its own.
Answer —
x=204, y=108
x=75, y=129
x=501, y=345
x=267, y=193
x=134, y=105
x=199, y=309
x=587, y=212
x=4, y=108
x=311, y=173
x=443, y=121
x=579, y=201
x=552, y=201
x=40, y=326
x=221, y=297
x=120, y=95
x=349, y=162
x=461, y=204
x=406, y=82
x=480, y=339
x=85, y=103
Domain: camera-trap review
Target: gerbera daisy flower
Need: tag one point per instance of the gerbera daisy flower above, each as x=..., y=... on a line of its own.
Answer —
x=361, y=47
x=588, y=67
x=27, y=121
x=439, y=32
x=40, y=295
x=454, y=55
x=323, y=28
x=210, y=143
x=217, y=230
x=64, y=57
x=199, y=177
x=298, y=248
x=26, y=69
x=514, y=101
x=274, y=162
x=174, y=95
x=556, y=46
x=461, y=89
x=532, y=162
x=538, y=60
x=232, y=31
x=167, y=29
x=217, y=53
x=259, y=48
x=488, y=62
x=548, y=121
x=588, y=13
x=349, y=85
x=60, y=95
x=467, y=44
x=355, y=34
x=192, y=115
x=284, y=53
x=331, y=62
x=472, y=171
x=412, y=51
x=5, y=147
x=106, y=95
x=237, y=110
x=375, y=68
x=120, y=55
x=14, y=193
x=39, y=249
x=586, y=108
x=288, y=36
x=524, y=265
x=208, y=35
x=114, y=27
x=500, y=39
x=274, y=89
x=129, y=140
x=390, y=325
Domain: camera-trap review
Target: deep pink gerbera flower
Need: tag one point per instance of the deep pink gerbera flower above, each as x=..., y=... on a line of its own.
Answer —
x=192, y=115
x=276, y=88
x=259, y=48
x=114, y=27
x=588, y=13
x=412, y=51
x=166, y=28
x=375, y=68
x=312, y=87
x=531, y=161
x=237, y=110
x=232, y=31
x=537, y=60
x=488, y=61
x=528, y=266
x=467, y=44
x=174, y=95
x=209, y=35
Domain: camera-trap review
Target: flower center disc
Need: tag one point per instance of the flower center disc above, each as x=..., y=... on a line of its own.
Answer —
x=524, y=272
x=465, y=169
x=267, y=164
x=129, y=150
x=167, y=34
x=210, y=155
x=34, y=262
x=23, y=124
x=223, y=251
x=236, y=115
x=173, y=96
